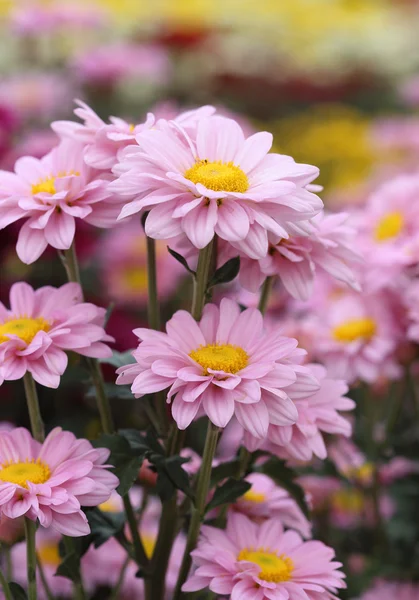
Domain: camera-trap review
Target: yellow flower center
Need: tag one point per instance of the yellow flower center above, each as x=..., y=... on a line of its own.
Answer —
x=135, y=278
x=20, y=473
x=49, y=554
x=389, y=227
x=256, y=497
x=273, y=568
x=149, y=543
x=109, y=506
x=220, y=357
x=363, y=473
x=24, y=328
x=47, y=185
x=348, y=500
x=355, y=329
x=218, y=176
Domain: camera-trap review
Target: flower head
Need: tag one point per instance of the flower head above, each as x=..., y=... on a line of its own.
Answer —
x=225, y=365
x=388, y=590
x=51, y=481
x=51, y=193
x=267, y=500
x=41, y=325
x=249, y=561
x=214, y=181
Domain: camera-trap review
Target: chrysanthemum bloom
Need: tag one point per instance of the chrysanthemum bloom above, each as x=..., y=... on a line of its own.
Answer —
x=388, y=590
x=267, y=500
x=51, y=481
x=227, y=364
x=215, y=182
x=318, y=413
x=122, y=255
x=51, y=193
x=328, y=245
x=356, y=335
x=41, y=325
x=260, y=562
x=412, y=302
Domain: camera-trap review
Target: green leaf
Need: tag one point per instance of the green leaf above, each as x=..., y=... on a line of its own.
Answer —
x=119, y=359
x=224, y=470
x=121, y=392
x=104, y=525
x=226, y=273
x=181, y=259
x=228, y=492
x=285, y=477
x=69, y=567
x=17, y=591
x=170, y=475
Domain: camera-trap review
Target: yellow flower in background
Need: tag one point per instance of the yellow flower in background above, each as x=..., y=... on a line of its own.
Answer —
x=333, y=137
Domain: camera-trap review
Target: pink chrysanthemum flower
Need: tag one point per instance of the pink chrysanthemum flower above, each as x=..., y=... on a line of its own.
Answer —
x=215, y=182
x=267, y=500
x=51, y=193
x=356, y=335
x=51, y=481
x=328, y=244
x=227, y=364
x=389, y=590
x=261, y=562
x=41, y=325
x=318, y=413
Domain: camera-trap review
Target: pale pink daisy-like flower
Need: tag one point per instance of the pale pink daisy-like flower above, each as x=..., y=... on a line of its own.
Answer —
x=260, y=562
x=215, y=181
x=122, y=255
x=412, y=302
x=318, y=413
x=51, y=193
x=389, y=590
x=227, y=364
x=328, y=244
x=52, y=480
x=266, y=500
x=356, y=335
x=41, y=325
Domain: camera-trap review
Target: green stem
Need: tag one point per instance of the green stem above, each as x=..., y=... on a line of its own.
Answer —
x=265, y=293
x=30, y=531
x=71, y=265
x=102, y=400
x=140, y=554
x=201, y=281
x=32, y=402
x=8, y=561
x=4, y=584
x=47, y=590
x=198, y=511
x=117, y=589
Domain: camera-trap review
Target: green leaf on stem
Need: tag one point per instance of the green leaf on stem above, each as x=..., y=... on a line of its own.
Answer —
x=181, y=259
x=104, y=525
x=17, y=591
x=119, y=359
x=228, y=492
x=226, y=273
x=285, y=477
x=224, y=470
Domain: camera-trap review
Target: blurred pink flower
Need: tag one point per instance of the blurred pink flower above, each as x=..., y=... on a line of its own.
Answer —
x=111, y=63
x=215, y=182
x=261, y=562
x=51, y=193
x=35, y=17
x=389, y=590
x=227, y=364
x=51, y=481
x=41, y=325
x=266, y=500
x=11, y=530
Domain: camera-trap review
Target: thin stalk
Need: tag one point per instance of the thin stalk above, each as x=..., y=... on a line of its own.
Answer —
x=71, y=265
x=47, y=590
x=117, y=589
x=30, y=531
x=8, y=561
x=265, y=293
x=154, y=323
x=201, y=281
x=198, y=511
x=4, y=584
x=37, y=425
x=102, y=400
x=140, y=553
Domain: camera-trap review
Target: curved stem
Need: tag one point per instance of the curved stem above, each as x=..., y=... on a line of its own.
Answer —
x=30, y=531
x=4, y=584
x=140, y=553
x=47, y=590
x=198, y=511
x=201, y=281
x=265, y=293
x=37, y=425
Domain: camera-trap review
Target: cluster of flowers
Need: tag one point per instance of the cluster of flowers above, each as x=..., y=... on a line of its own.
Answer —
x=202, y=186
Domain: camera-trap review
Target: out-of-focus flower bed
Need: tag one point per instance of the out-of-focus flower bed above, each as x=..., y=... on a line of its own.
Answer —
x=337, y=83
